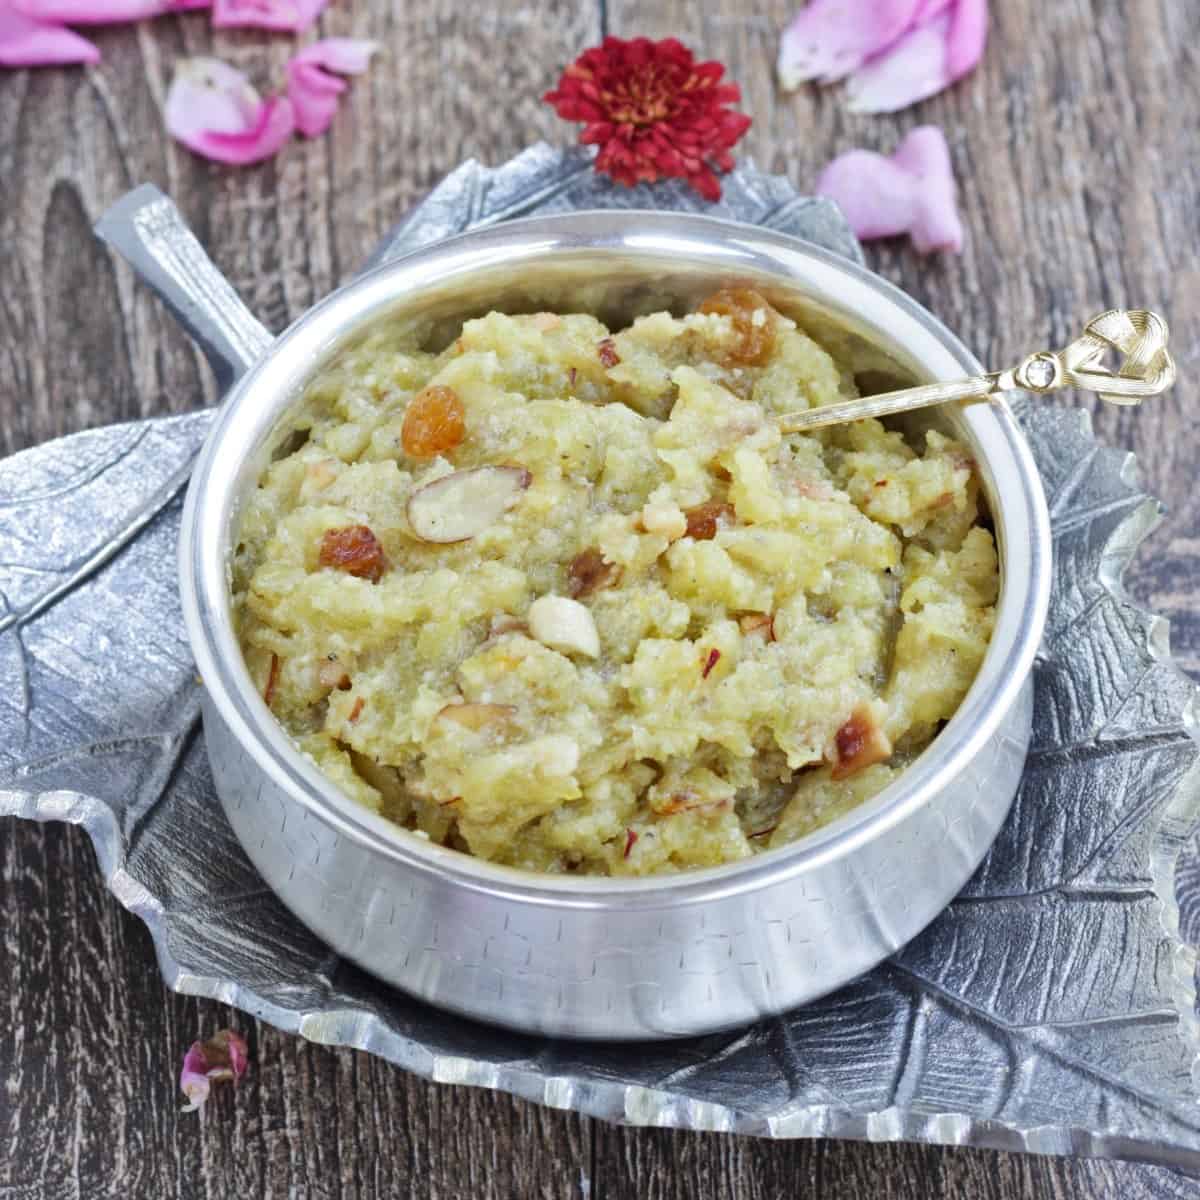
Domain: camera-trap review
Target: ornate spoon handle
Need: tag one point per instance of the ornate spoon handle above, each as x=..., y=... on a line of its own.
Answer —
x=1146, y=370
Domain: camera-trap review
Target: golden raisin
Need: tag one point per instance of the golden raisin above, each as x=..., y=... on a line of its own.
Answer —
x=704, y=519
x=433, y=423
x=355, y=550
x=755, y=335
x=589, y=573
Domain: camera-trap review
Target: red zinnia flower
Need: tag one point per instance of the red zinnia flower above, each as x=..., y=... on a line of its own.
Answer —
x=654, y=112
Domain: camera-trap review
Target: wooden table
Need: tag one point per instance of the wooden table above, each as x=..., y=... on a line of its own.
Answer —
x=1076, y=146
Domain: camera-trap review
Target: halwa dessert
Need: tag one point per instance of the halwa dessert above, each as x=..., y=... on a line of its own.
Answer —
x=564, y=598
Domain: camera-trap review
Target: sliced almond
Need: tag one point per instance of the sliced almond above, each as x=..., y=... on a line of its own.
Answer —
x=476, y=716
x=564, y=625
x=459, y=506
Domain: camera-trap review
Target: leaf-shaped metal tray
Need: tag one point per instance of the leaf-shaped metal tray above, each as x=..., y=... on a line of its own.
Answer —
x=1050, y=1008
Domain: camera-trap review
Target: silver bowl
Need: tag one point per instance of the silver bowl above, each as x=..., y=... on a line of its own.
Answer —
x=593, y=957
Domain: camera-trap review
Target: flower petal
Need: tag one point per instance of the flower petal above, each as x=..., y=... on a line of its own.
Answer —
x=275, y=126
x=212, y=109
x=925, y=156
x=312, y=90
x=828, y=39
x=103, y=12
x=967, y=37
x=347, y=56
x=911, y=192
x=193, y=1079
x=27, y=41
x=874, y=194
x=223, y=1056
x=927, y=59
x=286, y=16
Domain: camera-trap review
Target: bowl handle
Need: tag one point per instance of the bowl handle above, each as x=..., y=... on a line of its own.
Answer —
x=149, y=232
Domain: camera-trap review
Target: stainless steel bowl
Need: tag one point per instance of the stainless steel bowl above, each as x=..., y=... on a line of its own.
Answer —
x=596, y=958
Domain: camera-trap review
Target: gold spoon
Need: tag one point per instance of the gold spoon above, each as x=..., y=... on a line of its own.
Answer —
x=1140, y=336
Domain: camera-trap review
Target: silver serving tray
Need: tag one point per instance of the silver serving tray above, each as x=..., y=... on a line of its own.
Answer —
x=1050, y=1008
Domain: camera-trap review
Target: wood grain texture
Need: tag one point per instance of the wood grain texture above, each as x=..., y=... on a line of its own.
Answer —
x=1075, y=144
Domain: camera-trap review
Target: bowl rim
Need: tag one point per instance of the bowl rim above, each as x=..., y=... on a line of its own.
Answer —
x=255, y=403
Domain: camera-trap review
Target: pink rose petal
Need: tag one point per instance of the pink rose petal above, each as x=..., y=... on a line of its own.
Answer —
x=212, y=109
x=312, y=90
x=912, y=192
x=967, y=38
x=103, y=12
x=27, y=41
x=828, y=39
x=223, y=1057
x=286, y=16
x=193, y=1079
x=925, y=60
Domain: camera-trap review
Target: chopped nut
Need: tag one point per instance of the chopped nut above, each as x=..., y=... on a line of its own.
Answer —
x=589, y=572
x=456, y=507
x=758, y=625
x=564, y=625
x=607, y=350
x=667, y=519
x=545, y=321
x=703, y=520
x=355, y=550
x=476, y=716
x=860, y=742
